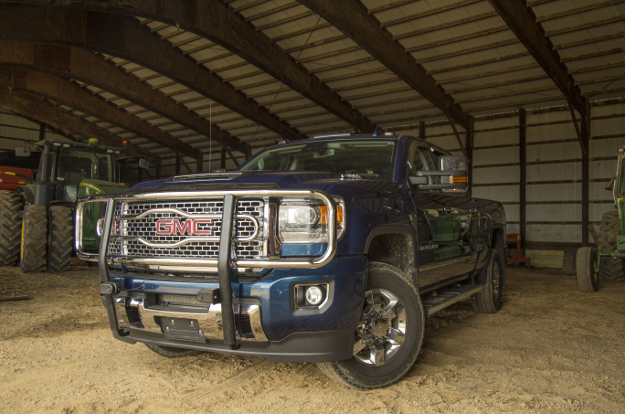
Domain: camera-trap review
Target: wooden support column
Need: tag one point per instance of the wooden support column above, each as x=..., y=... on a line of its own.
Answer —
x=223, y=158
x=177, y=171
x=522, y=179
x=469, y=146
x=158, y=169
x=140, y=174
x=42, y=131
x=585, y=134
x=200, y=162
x=422, y=130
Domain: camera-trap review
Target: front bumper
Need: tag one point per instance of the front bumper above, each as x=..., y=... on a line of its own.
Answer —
x=167, y=313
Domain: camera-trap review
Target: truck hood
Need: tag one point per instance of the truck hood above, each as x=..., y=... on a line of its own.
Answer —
x=249, y=180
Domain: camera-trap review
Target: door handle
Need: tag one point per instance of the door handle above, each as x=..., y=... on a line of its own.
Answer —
x=448, y=209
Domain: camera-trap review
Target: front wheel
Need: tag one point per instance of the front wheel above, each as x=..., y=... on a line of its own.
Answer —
x=389, y=336
x=61, y=238
x=34, y=239
x=586, y=261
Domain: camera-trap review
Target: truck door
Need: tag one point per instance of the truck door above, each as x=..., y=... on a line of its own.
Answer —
x=441, y=222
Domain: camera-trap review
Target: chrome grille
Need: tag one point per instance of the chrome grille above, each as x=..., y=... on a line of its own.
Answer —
x=145, y=228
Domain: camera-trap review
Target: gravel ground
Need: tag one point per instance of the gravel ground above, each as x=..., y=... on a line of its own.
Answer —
x=551, y=349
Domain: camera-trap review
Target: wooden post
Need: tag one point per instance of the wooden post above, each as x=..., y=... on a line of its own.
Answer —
x=585, y=134
x=223, y=158
x=522, y=179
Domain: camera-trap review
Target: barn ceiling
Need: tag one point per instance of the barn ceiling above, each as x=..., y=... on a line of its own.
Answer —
x=178, y=79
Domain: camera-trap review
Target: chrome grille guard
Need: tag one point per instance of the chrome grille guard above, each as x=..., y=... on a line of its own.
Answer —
x=269, y=223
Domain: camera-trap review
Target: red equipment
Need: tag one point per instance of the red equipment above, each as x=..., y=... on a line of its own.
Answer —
x=514, y=250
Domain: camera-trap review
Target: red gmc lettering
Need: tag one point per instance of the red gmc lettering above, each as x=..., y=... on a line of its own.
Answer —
x=198, y=231
x=189, y=227
x=182, y=228
x=164, y=227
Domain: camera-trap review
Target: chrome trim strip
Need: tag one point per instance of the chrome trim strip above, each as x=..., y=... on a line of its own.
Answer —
x=313, y=263
x=210, y=322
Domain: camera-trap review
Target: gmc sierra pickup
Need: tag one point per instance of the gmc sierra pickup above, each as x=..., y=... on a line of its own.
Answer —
x=331, y=250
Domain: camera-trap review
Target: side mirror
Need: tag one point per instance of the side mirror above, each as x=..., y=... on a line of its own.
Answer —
x=453, y=176
x=22, y=152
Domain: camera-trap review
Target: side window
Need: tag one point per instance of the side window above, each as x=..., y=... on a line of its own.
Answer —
x=421, y=160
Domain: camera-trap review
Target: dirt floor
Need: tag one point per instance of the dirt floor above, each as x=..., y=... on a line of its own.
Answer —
x=551, y=349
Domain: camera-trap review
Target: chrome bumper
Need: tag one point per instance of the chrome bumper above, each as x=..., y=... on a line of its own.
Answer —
x=209, y=324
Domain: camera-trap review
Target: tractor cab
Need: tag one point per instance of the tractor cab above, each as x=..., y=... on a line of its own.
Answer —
x=70, y=170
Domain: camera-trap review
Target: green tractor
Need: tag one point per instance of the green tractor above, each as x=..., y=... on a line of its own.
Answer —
x=609, y=259
x=37, y=220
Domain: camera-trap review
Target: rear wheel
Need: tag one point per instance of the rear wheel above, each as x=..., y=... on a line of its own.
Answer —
x=585, y=263
x=389, y=336
x=10, y=224
x=488, y=300
x=612, y=269
x=170, y=352
x=34, y=238
x=60, y=233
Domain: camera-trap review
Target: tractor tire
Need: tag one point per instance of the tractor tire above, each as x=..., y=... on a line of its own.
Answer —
x=611, y=269
x=34, y=239
x=10, y=225
x=586, y=260
x=61, y=238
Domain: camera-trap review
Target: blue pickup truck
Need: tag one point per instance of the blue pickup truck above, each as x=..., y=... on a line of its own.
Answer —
x=331, y=250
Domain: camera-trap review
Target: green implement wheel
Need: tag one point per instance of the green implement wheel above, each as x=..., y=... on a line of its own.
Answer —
x=34, y=238
x=611, y=269
x=61, y=238
x=586, y=261
x=10, y=224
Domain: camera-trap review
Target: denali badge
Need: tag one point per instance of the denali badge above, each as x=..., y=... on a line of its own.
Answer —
x=190, y=227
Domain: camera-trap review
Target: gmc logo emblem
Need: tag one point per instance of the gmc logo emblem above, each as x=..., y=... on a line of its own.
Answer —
x=176, y=227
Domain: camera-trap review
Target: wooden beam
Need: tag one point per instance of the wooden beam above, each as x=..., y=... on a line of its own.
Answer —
x=522, y=22
x=63, y=90
x=124, y=37
x=352, y=18
x=83, y=65
x=457, y=135
x=213, y=20
x=27, y=105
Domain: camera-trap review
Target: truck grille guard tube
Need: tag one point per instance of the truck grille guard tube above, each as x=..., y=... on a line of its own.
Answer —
x=225, y=261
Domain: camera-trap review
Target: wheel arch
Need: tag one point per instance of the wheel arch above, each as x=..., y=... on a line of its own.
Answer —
x=394, y=245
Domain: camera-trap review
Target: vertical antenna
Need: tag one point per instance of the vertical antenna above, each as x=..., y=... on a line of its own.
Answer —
x=210, y=135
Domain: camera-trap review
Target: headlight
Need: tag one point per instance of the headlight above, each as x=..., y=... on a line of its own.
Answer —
x=306, y=220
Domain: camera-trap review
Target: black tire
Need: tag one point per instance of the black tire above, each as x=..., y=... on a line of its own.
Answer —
x=611, y=269
x=34, y=239
x=488, y=300
x=585, y=263
x=171, y=352
x=397, y=351
x=60, y=238
x=10, y=225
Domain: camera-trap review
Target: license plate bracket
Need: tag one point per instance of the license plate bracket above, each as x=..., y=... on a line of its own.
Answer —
x=181, y=329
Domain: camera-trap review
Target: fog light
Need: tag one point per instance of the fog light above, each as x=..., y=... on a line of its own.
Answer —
x=314, y=295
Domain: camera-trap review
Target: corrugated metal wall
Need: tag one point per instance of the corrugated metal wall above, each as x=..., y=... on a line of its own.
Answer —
x=17, y=131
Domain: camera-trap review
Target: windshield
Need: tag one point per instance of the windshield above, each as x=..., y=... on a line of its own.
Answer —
x=83, y=164
x=371, y=159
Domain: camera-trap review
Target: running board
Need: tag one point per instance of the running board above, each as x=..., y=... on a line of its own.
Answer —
x=435, y=303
